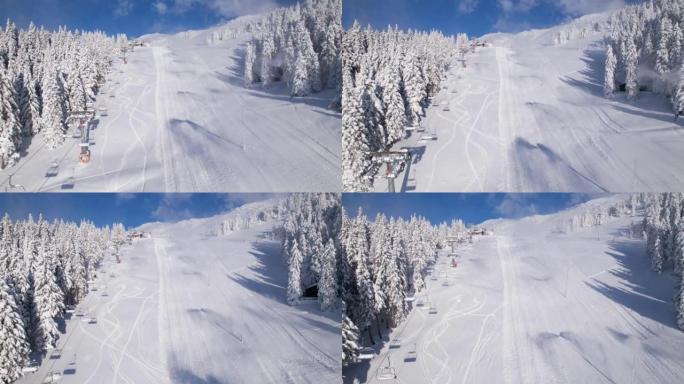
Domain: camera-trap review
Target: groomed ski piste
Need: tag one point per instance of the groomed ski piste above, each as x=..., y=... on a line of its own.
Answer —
x=178, y=117
x=528, y=115
x=531, y=305
x=186, y=306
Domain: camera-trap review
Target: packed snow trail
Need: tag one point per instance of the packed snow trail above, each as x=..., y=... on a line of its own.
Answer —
x=528, y=305
x=179, y=119
x=189, y=307
x=526, y=115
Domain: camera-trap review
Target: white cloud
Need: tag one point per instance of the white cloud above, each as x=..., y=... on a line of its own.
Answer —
x=160, y=7
x=583, y=7
x=508, y=6
x=516, y=205
x=171, y=207
x=123, y=7
x=467, y=6
x=228, y=8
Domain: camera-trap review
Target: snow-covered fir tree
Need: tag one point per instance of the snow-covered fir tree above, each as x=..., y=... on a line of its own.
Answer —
x=611, y=64
x=350, y=338
x=13, y=345
x=294, y=282
x=388, y=77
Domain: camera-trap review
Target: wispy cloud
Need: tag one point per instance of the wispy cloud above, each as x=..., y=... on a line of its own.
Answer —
x=160, y=7
x=173, y=207
x=583, y=7
x=227, y=8
x=467, y=6
x=123, y=7
x=516, y=205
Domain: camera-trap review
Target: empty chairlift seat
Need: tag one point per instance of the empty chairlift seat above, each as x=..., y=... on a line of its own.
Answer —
x=386, y=373
x=412, y=354
x=432, y=310
x=395, y=343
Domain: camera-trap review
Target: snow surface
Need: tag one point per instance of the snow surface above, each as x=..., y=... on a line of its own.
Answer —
x=530, y=116
x=188, y=307
x=180, y=119
x=528, y=305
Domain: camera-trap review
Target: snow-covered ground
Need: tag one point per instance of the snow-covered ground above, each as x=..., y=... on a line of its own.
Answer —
x=528, y=305
x=526, y=115
x=188, y=307
x=180, y=119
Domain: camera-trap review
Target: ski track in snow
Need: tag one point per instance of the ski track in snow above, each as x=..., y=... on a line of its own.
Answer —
x=180, y=120
x=543, y=308
x=169, y=317
x=527, y=116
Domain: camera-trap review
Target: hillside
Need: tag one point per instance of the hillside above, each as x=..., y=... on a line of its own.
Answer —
x=178, y=117
x=189, y=306
x=528, y=114
x=532, y=304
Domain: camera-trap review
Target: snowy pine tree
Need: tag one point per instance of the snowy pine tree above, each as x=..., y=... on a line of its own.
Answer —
x=294, y=284
x=327, y=285
x=611, y=64
x=13, y=345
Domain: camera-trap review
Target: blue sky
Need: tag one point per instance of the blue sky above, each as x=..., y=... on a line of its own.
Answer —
x=472, y=208
x=133, y=17
x=130, y=209
x=475, y=17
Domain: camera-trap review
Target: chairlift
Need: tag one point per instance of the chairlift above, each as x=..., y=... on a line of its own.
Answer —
x=52, y=377
x=53, y=170
x=56, y=353
x=410, y=299
x=105, y=294
x=432, y=310
x=92, y=320
x=433, y=277
x=395, y=343
x=446, y=108
x=412, y=354
x=410, y=128
x=420, y=303
x=31, y=367
x=366, y=353
x=387, y=372
x=445, y=283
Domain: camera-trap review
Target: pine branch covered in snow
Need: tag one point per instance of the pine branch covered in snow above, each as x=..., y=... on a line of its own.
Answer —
x=387, y=79
x=45, y=75
x=43, y=268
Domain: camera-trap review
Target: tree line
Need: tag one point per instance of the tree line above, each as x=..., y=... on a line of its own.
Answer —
x=45, y=75
x=44, y=267
x=299, y=45
x=383, y=262
x=387, y=79
x=644, y=49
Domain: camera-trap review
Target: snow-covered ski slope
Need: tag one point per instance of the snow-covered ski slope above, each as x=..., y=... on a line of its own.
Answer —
x=179, y=118
x=531, y=306
x=188, y=307
x=529, y=116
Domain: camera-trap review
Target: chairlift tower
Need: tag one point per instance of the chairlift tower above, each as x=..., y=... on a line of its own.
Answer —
x=394, y=161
